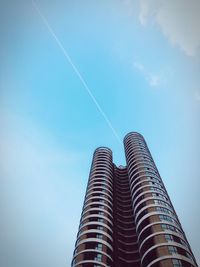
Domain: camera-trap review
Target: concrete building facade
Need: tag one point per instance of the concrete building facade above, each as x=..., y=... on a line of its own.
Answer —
x=128, y=219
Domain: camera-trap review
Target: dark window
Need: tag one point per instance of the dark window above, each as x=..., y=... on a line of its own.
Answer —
x=172, y=250
x=177, y=263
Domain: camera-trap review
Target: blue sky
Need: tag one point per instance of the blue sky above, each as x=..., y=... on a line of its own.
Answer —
x=141, y=61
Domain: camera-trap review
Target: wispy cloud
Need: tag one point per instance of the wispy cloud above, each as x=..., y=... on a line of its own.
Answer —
x=76, y=70
x=152, y=79
x=179, y=21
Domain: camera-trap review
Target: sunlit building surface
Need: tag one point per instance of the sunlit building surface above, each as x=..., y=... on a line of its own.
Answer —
x=128, y=219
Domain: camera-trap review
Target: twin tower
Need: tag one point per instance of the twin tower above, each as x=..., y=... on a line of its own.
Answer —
x=128, y=219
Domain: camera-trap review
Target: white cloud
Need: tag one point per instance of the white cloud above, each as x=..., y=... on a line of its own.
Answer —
x=152, y=79
x=179, y=21
x=148, y=9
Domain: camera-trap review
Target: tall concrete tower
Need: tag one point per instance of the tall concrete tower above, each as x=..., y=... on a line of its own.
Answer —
x=128, y=219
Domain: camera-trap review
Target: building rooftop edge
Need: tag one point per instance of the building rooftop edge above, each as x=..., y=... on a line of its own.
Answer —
x=132, y=133
x=103, y=148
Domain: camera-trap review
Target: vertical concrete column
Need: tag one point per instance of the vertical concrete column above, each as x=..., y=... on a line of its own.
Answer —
x=161, y=239
x=94, y=245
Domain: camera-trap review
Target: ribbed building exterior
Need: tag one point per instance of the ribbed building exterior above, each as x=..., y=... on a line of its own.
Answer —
x=128, y=219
